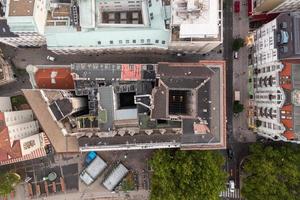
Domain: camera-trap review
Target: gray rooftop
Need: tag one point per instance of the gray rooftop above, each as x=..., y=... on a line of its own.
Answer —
x=291, y=25
x=106, y=102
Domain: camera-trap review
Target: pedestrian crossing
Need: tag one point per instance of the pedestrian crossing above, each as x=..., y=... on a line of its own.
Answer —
x=232, y=195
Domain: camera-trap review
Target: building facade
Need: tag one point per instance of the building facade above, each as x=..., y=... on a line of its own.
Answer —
x=275, y=6
x=273, y=79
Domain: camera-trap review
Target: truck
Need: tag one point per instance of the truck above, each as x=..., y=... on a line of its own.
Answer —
x=237, y=95
x=93, y=170
x=90, y=157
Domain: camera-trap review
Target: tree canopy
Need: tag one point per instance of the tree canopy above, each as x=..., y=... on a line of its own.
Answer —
x=272, y=173
x=238, y=43
x=8, y=182
x=237, y=107
x=187, y=175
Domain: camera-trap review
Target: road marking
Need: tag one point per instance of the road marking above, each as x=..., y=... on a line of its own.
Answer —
x=233, y=195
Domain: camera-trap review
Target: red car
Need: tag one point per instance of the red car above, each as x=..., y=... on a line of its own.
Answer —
x=237, y=6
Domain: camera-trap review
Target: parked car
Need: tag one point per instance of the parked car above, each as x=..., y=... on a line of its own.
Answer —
x=237, y=6
x=236, y=55
x=51, y=58
x=231, y=186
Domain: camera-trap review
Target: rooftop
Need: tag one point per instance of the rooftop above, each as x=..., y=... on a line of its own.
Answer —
x=289, y=117
x=288, y=32
x=21, y=8
x=192, y=92
x=135, y=104
x=54, y=78
x=60, y=142
x=196, y=18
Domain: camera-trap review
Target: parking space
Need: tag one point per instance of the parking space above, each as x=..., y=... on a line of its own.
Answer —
x=135, y=161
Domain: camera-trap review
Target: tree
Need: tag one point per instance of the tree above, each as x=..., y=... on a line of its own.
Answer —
x=8, y=182
x=258, y=123
x=272, y=173
x=238, y=43
x=237, y=107
x=187, y=175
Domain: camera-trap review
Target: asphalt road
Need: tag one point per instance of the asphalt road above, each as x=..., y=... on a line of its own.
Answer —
x=228, y=40
x=37, y=56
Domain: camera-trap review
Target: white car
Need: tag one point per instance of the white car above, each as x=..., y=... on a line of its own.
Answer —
x=236, y=55
x=51, y=58
x=231, y=186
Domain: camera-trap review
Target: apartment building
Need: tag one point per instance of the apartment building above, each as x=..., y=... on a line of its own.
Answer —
x=20, y=137
x=25, y=23
x=275, y=6
x=104, y=26
x=274, y=108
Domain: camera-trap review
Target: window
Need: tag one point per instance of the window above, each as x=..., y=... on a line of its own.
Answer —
x=156, y=41
x=127, y=41
x=133, y=41
x=163, y=42
x=148, y=40
x=142, y=41
x=111, y=42
x=120, y=41
x=99, y=42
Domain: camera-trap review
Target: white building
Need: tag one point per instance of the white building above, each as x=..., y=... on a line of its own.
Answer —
x=18, y=117
x=191, y=26
x=21, y=131
x=5, y=104
x=26, y=19
x=275, y=6
x=32, y=143
x=275, y=79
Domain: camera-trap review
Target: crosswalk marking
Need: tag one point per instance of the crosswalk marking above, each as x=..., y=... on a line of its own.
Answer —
x=234, y=195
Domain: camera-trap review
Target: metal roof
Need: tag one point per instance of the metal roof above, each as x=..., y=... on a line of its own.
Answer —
x=115, y=177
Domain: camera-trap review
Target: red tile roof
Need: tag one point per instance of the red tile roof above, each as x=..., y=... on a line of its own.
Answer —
x=286, y=71
x=131, y=72
x=290, y=135
x=287, y=122
x=63, y=78
x=6, y=151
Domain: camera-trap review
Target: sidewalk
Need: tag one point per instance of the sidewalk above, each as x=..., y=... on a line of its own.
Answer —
x=132, y=195
x=240, y=76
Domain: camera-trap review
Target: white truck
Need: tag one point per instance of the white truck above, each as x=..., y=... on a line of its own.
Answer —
x=237, y=95
x=93, y=170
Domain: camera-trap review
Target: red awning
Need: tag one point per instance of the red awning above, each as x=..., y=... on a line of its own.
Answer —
x=250, y=8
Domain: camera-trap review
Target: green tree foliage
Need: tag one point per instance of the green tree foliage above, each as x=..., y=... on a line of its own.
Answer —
x=258, y=123
x=8, y=182
x=238, y=43
x=272, y=173
x=237, y=107
x=187, y=175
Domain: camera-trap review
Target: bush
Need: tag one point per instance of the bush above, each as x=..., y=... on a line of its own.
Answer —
x=238, y=43
x=237, y=107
